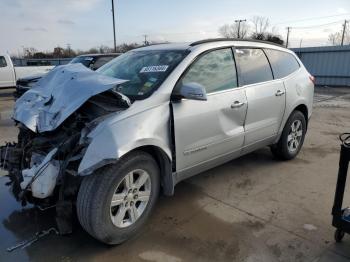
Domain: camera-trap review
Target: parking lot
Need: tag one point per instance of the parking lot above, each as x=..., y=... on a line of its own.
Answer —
x=254, y=208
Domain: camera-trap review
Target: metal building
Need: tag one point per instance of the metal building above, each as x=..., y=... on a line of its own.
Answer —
x=329, y=64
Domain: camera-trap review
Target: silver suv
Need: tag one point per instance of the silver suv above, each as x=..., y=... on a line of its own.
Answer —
x=108, y=141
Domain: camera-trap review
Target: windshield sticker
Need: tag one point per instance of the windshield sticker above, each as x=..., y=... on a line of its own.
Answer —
x=146, y=88
x=154, y=69
x=148, y=84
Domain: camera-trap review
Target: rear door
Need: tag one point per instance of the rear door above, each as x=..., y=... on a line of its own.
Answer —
x=209, y=132
x=266, y=96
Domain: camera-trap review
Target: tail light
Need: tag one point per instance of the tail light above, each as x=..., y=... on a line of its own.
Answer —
x=312, y=79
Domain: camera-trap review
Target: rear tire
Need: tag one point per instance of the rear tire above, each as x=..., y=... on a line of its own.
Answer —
x=339, y=235
x=114, y=222
x=292, y=137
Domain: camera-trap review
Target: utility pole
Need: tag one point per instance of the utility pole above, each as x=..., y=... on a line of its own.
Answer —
x=343, y=35
x=24, y=51
x=239, y=21
x=288, y=31
x=145, y=42
x=115, y=45
x=69, y=49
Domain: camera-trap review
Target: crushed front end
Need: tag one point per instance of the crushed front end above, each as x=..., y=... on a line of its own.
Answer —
x=54, y=119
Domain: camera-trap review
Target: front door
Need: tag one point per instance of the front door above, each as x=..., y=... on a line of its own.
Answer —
x=210, y=132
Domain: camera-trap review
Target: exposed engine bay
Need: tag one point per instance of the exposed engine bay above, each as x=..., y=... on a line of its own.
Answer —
x=53, y=120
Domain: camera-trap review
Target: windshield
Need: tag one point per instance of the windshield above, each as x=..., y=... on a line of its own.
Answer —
x=85, y=60
x=145, y=70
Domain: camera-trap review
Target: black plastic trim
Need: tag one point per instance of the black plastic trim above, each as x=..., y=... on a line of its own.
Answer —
x=212, y=40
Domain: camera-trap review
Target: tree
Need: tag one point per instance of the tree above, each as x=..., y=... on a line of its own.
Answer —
x=261, y=24
x=226, y=31
x=40, y=55
x=231, y=31
x=29, y=52
x=261, y=30
x=58, y=52
x=335, y=38
x=126, y=47
x=258, y=36
x=270, y=37
x=103, y=49
x=93, y=50
x=68, y=52
x=274, y=39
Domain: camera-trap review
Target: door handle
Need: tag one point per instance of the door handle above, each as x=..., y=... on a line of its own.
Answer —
x=237, y=104
x=279, y=93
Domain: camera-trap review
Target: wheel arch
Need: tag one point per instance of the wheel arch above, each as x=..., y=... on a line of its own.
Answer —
x=302, y=107
x=304, y=110
x=159, y=155
x=164, y=164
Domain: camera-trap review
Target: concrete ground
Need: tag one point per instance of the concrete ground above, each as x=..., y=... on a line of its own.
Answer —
x=254, y=208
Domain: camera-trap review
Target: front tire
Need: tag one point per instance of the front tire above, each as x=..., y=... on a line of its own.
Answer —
x=292, y=137
x=115, y=202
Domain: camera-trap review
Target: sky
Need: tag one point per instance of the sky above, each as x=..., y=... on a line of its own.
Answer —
x=44, y=24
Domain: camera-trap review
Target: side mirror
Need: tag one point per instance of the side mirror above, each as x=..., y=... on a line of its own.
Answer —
x=192, y=91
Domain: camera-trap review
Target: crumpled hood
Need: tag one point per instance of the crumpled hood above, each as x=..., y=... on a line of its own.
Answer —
x=58, y=94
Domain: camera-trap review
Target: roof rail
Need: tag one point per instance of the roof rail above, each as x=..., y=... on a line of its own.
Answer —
x=211, y=40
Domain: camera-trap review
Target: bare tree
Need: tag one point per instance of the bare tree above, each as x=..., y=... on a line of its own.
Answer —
x=262, y=30
x=29, y=52
x=335, y=38
x=103, y=49
x=261, y=24
x=231, y=31
x=244, y=30
x=225, y=31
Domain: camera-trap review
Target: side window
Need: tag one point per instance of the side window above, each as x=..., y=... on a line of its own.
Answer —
x=100, y=61
x=282, y=63
x=254, y=66
x=215, y=71
x=3, y=61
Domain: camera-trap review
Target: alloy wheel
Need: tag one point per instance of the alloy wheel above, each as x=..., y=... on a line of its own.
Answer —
x=295, y=135
x=130, y=198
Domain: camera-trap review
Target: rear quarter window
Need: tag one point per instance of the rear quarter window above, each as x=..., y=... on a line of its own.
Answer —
x=282, y=63
x=3, y=61
x=254, y=66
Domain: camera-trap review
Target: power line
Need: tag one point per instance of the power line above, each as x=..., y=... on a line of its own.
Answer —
x=313, y=26
x=311, y=18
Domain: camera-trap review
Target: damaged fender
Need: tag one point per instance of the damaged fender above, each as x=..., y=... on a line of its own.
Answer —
x=120, y=134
